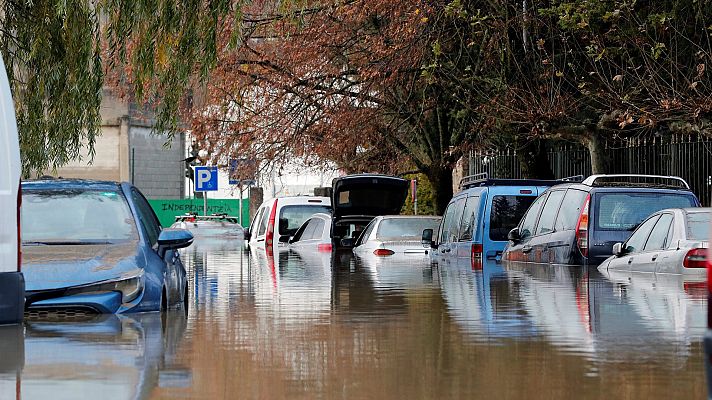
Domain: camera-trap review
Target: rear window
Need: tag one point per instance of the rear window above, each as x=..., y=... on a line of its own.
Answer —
x=86, y=216
x=698, y=226
x=405, y=228
x=292, y=217
x=625, y=211
x=506, y=213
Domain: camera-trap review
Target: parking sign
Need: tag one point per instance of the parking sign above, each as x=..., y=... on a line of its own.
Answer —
x=206, y=179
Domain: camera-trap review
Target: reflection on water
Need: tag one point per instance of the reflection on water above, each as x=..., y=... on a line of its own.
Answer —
x=317, y=325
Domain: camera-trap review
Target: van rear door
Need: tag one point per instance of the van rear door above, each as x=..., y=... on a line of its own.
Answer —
x=9, y=178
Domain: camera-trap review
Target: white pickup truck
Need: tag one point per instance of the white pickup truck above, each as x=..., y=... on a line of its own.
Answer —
x=12, y=284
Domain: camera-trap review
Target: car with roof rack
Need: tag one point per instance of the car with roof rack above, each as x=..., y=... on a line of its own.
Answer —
x=478, y=218
x=579, y=222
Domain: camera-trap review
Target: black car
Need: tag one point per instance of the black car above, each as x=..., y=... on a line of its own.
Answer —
x=578, y=223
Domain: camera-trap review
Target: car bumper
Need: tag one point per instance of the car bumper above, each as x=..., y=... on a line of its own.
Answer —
x=708, y=361
x=100, y=303
x=12, y=297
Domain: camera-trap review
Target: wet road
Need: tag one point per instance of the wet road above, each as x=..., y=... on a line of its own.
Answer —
x=294, y=327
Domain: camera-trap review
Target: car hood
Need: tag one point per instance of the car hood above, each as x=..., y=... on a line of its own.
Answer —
x=62, y=266
x=368, y=195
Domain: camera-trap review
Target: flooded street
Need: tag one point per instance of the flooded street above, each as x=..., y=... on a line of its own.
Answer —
x=293, y=326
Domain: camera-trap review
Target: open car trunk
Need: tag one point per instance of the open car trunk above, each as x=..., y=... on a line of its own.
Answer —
x=357, y=199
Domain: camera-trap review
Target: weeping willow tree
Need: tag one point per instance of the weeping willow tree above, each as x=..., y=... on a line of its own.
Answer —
x=58, y=53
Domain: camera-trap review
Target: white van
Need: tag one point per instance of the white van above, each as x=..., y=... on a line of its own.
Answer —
x=12, y=284
x=277, y=220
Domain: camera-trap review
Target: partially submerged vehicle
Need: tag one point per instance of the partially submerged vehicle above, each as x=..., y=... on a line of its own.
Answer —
x=12, y=285
x=277, y=220
x=358, y=199
x=395, y=235
x=214, y=226
x=97, y=247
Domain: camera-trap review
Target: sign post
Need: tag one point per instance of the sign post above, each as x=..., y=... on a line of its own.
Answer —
x=206, y=180
x=414, y=195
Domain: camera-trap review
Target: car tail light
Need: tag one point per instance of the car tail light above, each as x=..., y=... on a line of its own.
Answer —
x=19, y=230
x=695, y=258
x=269, y=237
x=476, y=257
x=324, y=247
x=383, y=252
x=582, y=228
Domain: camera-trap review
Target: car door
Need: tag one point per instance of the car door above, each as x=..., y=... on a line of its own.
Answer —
x=562, y=241
x=443, y=233
x=467, y=228
x=655, y=246
x=544, y=228
x=521, y=250
x=452, y=236
x=633, y=248
x=173, y=269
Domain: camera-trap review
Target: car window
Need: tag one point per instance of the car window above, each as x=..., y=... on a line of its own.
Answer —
x=318, y=231
x=624, y=211
x=310, y=230
x=570, y=210
x=506, y=213
x=659, y=234
x=470, y=218
x=292, y=217
x=405, y=228
x=63, y=215
x=640, y=236
x=548, y=214
x=263, y=221
x=298, y=235
x=445, y=225
x=698, y=226
x=526, y=229
x=149, y=222
x=454, y=227
x=366, y=233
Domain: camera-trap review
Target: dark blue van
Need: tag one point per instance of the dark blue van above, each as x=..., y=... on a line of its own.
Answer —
x=578, y=223
x=477, y=220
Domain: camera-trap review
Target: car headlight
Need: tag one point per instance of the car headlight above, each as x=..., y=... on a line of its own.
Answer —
x=130, y=287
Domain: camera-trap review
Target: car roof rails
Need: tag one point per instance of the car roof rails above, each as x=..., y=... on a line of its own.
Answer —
x=674, y=182
x=483, y=179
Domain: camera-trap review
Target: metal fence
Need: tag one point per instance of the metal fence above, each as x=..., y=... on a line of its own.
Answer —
x=689, y=157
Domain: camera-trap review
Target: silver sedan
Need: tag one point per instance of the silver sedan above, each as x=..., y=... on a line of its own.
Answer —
x=397, y=234
x=672, y=241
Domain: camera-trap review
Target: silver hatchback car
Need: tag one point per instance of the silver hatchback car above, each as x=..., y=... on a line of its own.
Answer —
x=396, y=234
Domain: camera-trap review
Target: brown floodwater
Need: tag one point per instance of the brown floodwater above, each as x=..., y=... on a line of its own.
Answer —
x=317, y=326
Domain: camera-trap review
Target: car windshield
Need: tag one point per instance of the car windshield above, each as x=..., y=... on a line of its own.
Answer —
x=405, y=228
x=698, y=225
x=75, y=216
x=506, y=213
x=292, y=217
x=625, y=211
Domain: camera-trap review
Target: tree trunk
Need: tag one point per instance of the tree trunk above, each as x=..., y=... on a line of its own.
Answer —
x=441, y=181
x=533, y=160
x=600, y=160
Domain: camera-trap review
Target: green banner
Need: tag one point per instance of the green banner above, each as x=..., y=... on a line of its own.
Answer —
x=167, y=210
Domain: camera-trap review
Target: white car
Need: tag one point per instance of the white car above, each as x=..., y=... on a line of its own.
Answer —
x=12, y=284
x=277, y=220
x=395, y=234
x=672, y=241
x=313, y=235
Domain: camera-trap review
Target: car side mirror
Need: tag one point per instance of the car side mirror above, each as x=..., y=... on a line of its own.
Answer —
x=173, y=239
x=427, y=239
x=348, y=242
x=284, y=239
x=618, y=249
x=514, y=236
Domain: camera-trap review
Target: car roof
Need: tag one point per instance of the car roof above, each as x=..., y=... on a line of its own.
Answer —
x=298, y=200
x=619, y=188
x=408, y=216
x=88, y=184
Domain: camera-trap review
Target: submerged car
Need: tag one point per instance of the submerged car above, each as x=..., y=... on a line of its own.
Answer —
x=358, y=199
x=672, y=241
x=314, y=234
x=578, y=223
x=395, y=235
x=97, y=247
x=213, y=226
x=277, y=220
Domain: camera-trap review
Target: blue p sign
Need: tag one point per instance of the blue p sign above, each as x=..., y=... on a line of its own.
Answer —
x=206, y=179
